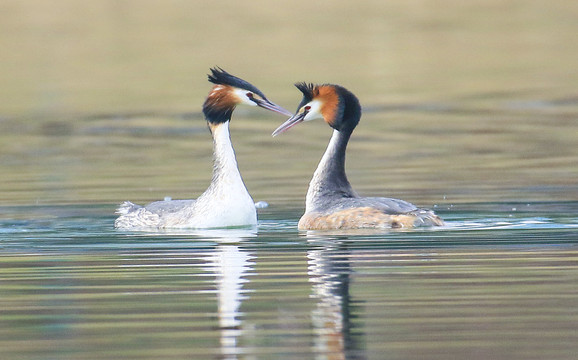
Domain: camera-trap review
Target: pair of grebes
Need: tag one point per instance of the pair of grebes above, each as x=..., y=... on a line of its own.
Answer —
x=331, y=202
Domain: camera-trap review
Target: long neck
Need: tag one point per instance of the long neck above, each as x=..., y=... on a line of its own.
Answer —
x=225, y=169
x=329, y=180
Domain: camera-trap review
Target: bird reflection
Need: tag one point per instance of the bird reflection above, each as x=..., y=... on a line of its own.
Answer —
x=329, y=271
x=231, y=264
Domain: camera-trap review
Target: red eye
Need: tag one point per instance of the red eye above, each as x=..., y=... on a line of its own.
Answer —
x=250, y=95
x=307, y=108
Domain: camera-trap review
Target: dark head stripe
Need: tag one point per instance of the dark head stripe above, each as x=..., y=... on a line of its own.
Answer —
x=221, y=77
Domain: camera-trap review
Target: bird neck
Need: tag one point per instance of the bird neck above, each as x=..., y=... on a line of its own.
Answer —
x=329, y=180
x=225, y=168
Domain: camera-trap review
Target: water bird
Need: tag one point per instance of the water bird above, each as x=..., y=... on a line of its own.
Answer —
x=331, y=202
x=226, y=202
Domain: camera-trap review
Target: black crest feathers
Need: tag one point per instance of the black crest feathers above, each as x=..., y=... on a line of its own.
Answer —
x=309, y=92
x=221, y=77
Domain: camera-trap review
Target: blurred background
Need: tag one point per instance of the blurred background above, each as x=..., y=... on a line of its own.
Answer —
x=463, y=101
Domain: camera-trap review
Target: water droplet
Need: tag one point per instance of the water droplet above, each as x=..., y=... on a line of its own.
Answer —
x=261, y=204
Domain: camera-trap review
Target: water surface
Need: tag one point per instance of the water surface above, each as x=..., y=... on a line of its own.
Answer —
x=495, y=283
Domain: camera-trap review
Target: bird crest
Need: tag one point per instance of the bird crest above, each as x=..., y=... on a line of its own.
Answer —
x=219, y=76
x=309, y=90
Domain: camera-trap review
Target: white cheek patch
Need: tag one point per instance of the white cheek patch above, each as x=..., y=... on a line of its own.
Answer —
x=314, y=111
x=242, y=96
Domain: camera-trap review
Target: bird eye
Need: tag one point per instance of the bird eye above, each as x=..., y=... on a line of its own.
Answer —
x=307, y=108
x=250, y=95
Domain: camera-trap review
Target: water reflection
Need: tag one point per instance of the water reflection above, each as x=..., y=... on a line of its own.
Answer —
x=231, y=264
x=330, y=272
x=76, y=288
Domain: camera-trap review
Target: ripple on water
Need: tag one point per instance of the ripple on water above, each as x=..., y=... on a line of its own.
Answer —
x=490, y=282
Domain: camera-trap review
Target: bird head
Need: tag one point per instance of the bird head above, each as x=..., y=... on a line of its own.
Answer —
x=332, y=103
x=230, y=91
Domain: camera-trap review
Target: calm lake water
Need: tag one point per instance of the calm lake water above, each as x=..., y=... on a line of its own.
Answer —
x=499, y=282
x=469, y=108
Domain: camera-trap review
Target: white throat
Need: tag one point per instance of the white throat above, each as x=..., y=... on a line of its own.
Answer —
x=226, y=202
x=226, y=168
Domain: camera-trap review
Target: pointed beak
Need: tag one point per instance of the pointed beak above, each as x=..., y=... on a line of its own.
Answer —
x=292, y=121
x=266, y=104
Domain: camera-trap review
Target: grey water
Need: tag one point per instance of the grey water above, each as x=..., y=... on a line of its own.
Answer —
x=499, y=281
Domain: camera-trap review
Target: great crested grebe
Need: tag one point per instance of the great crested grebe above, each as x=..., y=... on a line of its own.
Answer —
x=226, y=203
x=331, y=201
